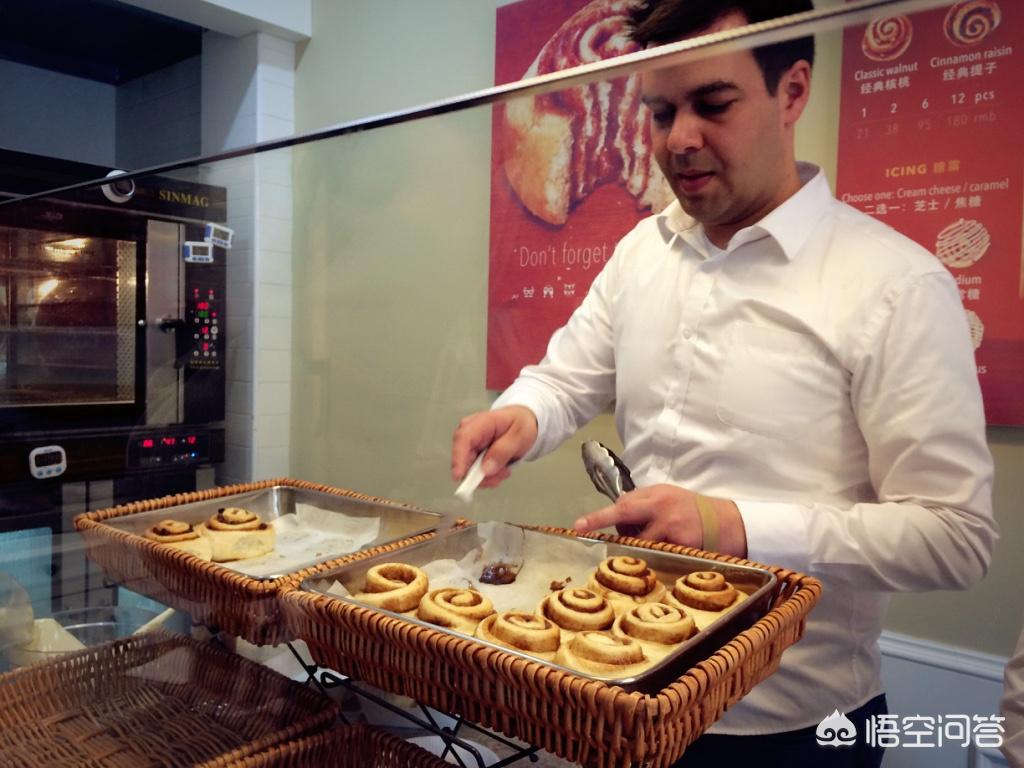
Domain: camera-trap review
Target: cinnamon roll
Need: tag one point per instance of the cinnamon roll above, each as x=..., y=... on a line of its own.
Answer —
x=458, y=609
x=237, y=534
x=625, y=581
x=525, y=632
x=560, y=147
x=706, y=590
x=394, y=587
x=576, y=609
x=659, y=628
x=602, y=654
x=181, y=536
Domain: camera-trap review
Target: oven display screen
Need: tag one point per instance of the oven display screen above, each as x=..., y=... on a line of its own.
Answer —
x=163, y=450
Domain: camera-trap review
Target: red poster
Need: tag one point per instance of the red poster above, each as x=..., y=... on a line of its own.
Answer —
x=929, y=142
x=571, y=173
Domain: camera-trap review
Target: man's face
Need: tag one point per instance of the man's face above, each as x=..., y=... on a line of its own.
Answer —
x=723, y=142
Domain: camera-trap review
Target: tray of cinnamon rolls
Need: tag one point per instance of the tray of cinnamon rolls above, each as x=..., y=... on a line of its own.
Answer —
x=268, y=532
x=222, y=554
x=625, y=615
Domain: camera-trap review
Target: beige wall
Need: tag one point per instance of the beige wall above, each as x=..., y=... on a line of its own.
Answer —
x=391, y=243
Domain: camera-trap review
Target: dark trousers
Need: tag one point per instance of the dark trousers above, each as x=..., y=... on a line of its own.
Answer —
x=791, y=749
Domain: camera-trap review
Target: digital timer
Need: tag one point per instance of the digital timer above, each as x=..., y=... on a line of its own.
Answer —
x=47, y=461
x=197, y=252
x=218, y=234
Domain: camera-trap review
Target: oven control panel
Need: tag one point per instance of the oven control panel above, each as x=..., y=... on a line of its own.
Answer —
x=166, y=449
x=203, y=326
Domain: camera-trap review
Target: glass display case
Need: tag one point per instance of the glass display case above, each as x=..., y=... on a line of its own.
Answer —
x=293, y=330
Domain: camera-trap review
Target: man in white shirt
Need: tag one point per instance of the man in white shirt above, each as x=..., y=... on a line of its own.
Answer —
x=793, y=382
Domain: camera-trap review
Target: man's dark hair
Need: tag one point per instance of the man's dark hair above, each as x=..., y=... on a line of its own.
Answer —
x=654, y=22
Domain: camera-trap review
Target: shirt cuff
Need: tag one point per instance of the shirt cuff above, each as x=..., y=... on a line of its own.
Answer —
x=776, y=534
x=527, y=398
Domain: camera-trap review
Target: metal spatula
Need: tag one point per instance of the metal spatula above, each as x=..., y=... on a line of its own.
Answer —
x=458, y=506
x=474, y=476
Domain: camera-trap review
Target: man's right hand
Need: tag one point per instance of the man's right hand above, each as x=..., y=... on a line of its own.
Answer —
x=505, y=433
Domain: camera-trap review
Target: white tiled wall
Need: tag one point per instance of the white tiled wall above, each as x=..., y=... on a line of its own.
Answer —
x=248, y=97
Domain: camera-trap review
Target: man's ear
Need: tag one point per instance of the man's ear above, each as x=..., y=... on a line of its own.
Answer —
x=794, y=91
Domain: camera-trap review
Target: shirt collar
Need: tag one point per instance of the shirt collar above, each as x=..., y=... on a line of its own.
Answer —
x=789, y=224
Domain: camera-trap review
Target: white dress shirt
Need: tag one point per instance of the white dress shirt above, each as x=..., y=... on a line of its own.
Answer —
x=819, y=372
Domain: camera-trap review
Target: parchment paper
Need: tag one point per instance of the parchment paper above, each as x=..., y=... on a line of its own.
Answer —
x=544, y=558
x=309, y=534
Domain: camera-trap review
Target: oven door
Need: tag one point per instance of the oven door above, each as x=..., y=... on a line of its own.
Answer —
x=71, y=346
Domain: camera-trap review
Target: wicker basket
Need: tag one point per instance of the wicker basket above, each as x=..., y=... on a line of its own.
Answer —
x=357, y=746
x=150, y=700
x=581, y=720
x=211, y=594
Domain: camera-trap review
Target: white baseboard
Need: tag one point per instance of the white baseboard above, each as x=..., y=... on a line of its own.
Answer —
x=923, y=677
x=983, y=666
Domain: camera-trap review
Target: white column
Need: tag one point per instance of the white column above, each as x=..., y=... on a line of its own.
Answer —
x=248, y=97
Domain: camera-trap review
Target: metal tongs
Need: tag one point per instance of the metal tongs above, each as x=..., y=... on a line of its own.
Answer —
x=610, y=476
x=608, y=472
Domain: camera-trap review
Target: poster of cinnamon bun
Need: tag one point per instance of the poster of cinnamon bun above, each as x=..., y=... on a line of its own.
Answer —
x=929, y=143
x=571, y=173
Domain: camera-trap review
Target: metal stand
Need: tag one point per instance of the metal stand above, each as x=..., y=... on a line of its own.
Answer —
x=326, y=680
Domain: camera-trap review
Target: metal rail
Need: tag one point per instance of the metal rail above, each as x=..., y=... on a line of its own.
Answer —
x=751, y=36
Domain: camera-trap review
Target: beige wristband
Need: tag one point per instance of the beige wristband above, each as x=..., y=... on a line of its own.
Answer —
x=708, y=523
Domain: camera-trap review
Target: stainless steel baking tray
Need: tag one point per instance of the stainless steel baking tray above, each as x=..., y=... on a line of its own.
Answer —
x=397, y=521
x=757, y=583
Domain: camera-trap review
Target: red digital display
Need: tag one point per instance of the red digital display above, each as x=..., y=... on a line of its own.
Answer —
x=147, y=443
x=191, y=439
x=167, y=441
x=202, y=305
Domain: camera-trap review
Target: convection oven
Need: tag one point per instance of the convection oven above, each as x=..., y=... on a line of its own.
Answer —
x=113, y=341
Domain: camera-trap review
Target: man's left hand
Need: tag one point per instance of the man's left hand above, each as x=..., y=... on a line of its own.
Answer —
x=669, y=513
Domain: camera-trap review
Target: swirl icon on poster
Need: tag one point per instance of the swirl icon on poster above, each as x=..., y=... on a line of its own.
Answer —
x=836, y=730
x=887, y=39
x=970, y=21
